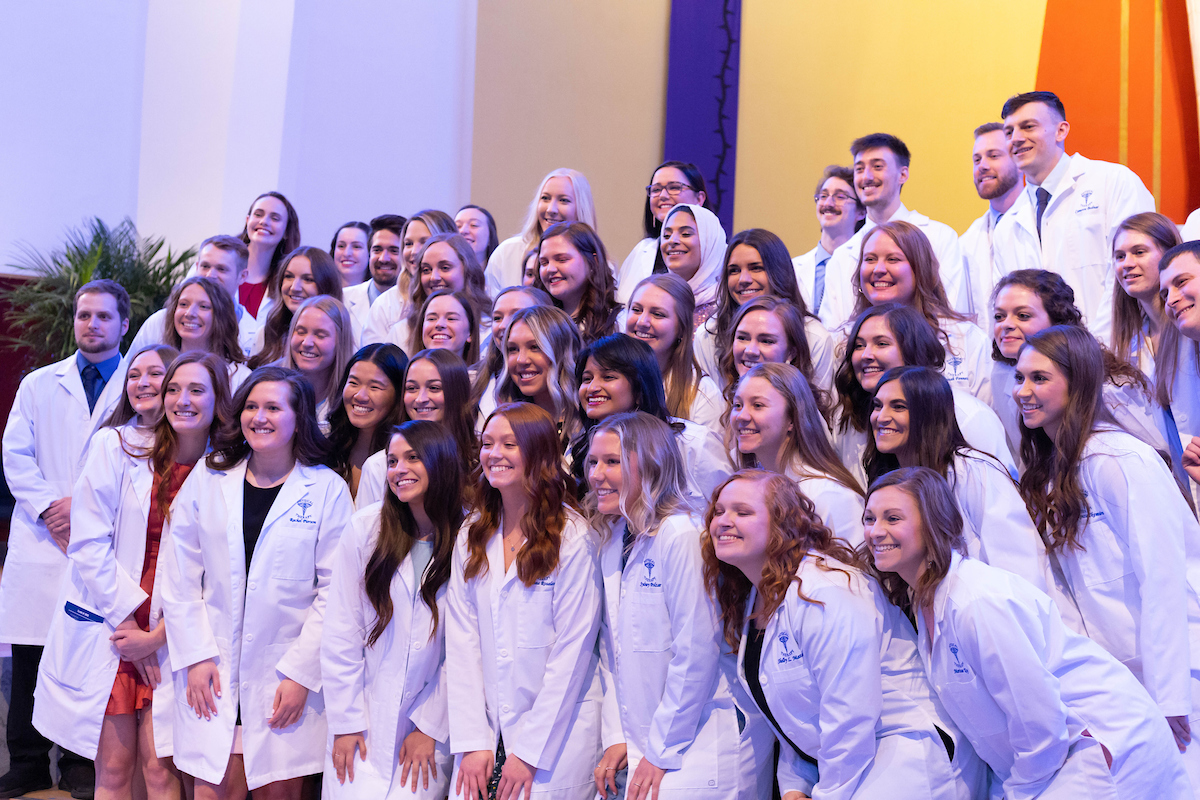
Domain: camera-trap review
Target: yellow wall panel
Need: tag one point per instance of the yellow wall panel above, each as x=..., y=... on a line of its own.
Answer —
x=816, y=75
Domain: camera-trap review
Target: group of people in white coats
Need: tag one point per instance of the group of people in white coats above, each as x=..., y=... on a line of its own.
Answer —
x=428, y=513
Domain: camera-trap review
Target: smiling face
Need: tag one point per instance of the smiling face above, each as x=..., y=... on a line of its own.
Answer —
x=741, y=527
x=563, y=270
x=416, y=234
x=314, y=341
x=894, y=533
x=529, y=367
x=266, y=222
x=386, y=256
x=472, y=225
x=1179, y=287
x=223, y=266
x=368, y=396
x=681, y=244
x=500, y=456
x=441, y=268
x=662, y=201
x=446, y=325
x=143, y=385
x=406, y=474
x=604, y=392
x=995, y=172
x=268, y=420
x=653, y=319
x=604, y=472
x=875, y=352
x=298, y=283
x=505, y=306
x=194, y=317
x=838, y=210
x=1018, y=314
x=556, y=203
x=189, y=399
x=424, y=397
x=1041, y=391
x=760, y=339
x=1036, y=139
x=885, y=275
x=1136, y=258
x=351, y=256
x=759, y=416
x=889, y=418
x=878, y=177
x=745, y=274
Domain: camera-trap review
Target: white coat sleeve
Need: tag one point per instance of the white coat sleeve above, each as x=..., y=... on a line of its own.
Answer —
x=979, y=355
x=706, y=463
x=611, y=731
x=95, y=505
x=189, y=633
x=576, y=613
x=21, y=471
x=995, y=511
x=372, y=482
x=841, y=510
x=1006, y=644
x=1145, y=510
x=469, y=726
x=150, y=333
x=302, y=661
x=343, y=637
x=821, y=347
x=794, y=773
x=840, y=639
x=385, y=312
x=430, y=711
x=696, y=641
x=953, y=272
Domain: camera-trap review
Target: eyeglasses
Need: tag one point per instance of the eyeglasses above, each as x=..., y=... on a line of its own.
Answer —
x=672, y=189
x=839, y=198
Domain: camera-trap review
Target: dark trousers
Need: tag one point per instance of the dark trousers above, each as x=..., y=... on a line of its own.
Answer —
x=28, y=750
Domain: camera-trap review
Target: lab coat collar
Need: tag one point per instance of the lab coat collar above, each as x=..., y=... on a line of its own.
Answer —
x=495, y=557
x=941, y=597
x=68, y=376
x=294, y=487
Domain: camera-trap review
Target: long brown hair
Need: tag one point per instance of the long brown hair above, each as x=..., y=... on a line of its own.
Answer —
x=458, y=412
x=470, y=351
x=795, y=530
x=436, y=449
x=279, y=319
x=598, y=307
x=309, y=445
x=941, y=530
x=547, y=485
x=223, y=338
x=287, y=243
x=1127, y=312
x=474, y=284
x=682, y=376
x=491, y=364
x=123, y=412
x=792, y=320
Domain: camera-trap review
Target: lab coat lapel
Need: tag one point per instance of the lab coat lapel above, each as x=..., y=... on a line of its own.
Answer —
x=406, y=576
x=294, y=488
x=232, y=482
x=610, y=571
x=143, y=481
x=69, y=378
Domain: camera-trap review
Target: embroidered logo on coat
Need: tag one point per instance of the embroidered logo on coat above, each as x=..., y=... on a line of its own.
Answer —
x=1087, y=204
x=548, y=581
x=959, y=667
x=786, y=656
x=1092, y=514
x=303, y=518
x=649, y=580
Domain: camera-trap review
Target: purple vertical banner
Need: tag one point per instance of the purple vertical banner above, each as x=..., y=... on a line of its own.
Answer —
x=703, y=69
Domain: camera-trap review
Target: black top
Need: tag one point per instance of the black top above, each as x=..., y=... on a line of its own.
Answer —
x=750, y=666
x=256, y=504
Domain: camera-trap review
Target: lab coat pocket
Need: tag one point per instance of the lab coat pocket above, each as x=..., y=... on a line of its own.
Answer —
x=295, y=553
x=651, y=625
x=535, y=622
x=717, y=734
x=974, y=704
x=1105, y=560
x=71, y=646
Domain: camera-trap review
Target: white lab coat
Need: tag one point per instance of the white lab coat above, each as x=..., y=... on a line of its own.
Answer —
x=505, y=266
x=806, y=276
x=997, y=528
x=110, y=508
x=388, y=310
x=838, y=506
x=840, y=295
x=1077, y=232
x=357, y=300
x=525, y=664
x=820, y=347
x=636, y=267
x=707, y=406
x=44, y=441
x=841, y=676
x=372, y=481
x=261, y=624
x=983, y=266
x=706, y=462
x=1023, y=688
x=392, y=687
x=968, y=363
x=670, y=701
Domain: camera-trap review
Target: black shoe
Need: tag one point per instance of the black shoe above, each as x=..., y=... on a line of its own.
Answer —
x=16, y=783
x=78, y=778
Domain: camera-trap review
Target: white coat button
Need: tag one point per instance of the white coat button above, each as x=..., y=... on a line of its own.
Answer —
x=504, y=654
x=417, y=646
x=249, y=637
x=504, y=708
x=252, y=586
x=712, y=783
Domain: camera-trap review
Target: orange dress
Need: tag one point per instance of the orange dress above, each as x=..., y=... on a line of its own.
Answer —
x=129, y=693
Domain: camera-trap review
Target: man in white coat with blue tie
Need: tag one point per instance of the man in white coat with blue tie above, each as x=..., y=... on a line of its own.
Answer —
x=840, y=215
x=998, y=181
x=56, y=410
x=1071, y=204
x=880, y=172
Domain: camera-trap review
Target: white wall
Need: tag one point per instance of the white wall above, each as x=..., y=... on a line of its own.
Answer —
x=179, y=114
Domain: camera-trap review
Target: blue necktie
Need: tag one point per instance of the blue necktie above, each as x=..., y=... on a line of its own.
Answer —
x=1043, y=200
x=93, y=384
x=627, y=540
x=819, y=284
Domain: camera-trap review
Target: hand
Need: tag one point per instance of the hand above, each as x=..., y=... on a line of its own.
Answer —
x=200, y=697
x=288, y=705
x=795, y=794
x=645, y=780
x=1191, y=459
x=148, y=669
x=474, y=772
x=1181, y=728
x=135, y=644
x=416, y=754
x=515, y=775
x=344, y=746
x=58, y=521
x=613, y=761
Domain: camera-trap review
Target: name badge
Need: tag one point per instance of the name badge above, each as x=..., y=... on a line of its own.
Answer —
x=81, y=614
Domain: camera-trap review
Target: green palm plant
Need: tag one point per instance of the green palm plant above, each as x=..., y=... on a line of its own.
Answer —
x=40, y=308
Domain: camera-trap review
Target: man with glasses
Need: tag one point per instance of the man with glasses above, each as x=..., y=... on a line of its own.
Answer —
x=880, y=172
x=840, y=215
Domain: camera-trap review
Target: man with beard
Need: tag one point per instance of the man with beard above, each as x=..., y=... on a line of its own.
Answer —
x=998, y=181
x=55, y=413
x=839, y=214
x=384, y=247
x=1071, y=204
x=880, y=172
